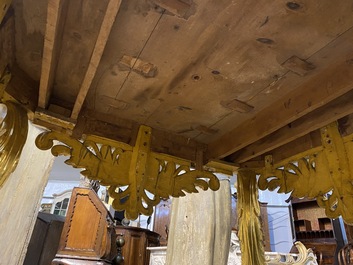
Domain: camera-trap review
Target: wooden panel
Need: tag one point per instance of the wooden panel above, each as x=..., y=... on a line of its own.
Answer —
x=162, y=220
x=52, y=244
x=88, y=232
x=44, y=240
x=136, y=242
x=36, y=244
x=78, y=238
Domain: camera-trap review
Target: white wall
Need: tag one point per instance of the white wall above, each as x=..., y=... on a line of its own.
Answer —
x=279, y=220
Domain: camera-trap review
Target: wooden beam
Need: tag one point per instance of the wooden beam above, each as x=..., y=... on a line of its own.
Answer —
x=331, y=83
x=52, y=45
x=123, y=130
x=108, y=20
x=306, y=144
x=23, y=88
x=320, y=117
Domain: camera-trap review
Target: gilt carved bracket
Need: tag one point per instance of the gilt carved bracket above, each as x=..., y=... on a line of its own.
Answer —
x=135, y=169
x=324, y=173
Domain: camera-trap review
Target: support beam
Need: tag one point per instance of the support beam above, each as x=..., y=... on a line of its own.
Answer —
x=320, y=117
x=109, y=18
x=333, y=82
x=52, y=45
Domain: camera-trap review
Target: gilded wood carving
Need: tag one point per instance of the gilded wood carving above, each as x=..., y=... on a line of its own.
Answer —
x=324, y=174
x=250, y=233
x=13, y=135
x=135, y=170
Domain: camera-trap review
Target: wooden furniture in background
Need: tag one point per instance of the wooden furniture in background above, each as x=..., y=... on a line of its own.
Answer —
x=162, y=220
x=88, y=235
x=345, y=255
x=45, y=239
x=264, y=225
x=314, y=229
x=136, y=242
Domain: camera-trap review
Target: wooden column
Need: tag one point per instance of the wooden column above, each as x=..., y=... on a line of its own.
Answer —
x=200, y=228
x=250, y=234
x=20, y=198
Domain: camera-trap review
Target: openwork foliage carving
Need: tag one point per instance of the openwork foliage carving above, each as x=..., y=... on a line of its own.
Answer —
x=324, y=175
x=135, y=170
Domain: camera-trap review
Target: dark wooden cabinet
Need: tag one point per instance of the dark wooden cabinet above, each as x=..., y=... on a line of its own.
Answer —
x=45, y=239
x=136, y=242
x=88, y=235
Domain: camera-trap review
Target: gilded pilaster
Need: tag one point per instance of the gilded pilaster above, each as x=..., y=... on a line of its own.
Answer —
x=250, y=233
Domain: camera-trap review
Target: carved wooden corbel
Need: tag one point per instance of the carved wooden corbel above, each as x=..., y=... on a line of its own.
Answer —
x=135, y=169
x=323, y=173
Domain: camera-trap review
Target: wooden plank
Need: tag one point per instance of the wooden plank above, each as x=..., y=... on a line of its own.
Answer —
x=22, y=88
x=331, y=83
x=52, y=45
x=320, y=117
x=109, y=18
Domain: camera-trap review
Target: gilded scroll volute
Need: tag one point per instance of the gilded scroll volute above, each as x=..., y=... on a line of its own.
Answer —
x=13, y=135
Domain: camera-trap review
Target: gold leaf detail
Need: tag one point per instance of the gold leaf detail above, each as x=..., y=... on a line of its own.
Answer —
x=13, y=135
x=137, y=169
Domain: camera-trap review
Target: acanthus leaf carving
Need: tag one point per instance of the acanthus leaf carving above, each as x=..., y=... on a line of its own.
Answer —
x=323, y=174
x=136, y=168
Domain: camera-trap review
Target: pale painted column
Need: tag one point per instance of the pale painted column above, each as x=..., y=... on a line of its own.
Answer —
x=20, y=198
x=200, y=227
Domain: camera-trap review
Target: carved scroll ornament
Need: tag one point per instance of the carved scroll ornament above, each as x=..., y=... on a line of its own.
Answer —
x=136, y=170
x=324, y=174
x=13, y=135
